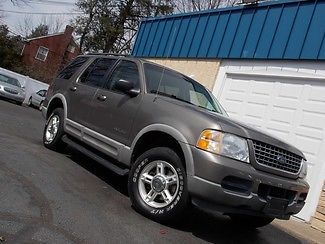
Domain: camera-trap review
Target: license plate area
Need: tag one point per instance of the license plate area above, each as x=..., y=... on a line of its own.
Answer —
x=276, y=206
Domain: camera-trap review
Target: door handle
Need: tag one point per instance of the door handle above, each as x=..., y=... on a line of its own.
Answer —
x=101, y=98
x=73, y=88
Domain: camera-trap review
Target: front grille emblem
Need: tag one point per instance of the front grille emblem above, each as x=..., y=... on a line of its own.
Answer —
x=281, y=160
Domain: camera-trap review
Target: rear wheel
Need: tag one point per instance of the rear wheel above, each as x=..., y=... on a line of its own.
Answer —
x=54, y=131
x=250, y=222
x=157, y=184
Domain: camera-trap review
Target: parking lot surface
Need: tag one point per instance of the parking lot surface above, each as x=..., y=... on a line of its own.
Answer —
x=47, y=197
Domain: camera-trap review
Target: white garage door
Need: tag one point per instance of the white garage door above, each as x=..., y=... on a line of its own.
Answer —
x=285, y=99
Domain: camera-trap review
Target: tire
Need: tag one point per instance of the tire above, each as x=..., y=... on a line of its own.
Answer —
x=250, y=222
x=162, y=207
x=29, y=103
x=54, y=142
x=40, y=106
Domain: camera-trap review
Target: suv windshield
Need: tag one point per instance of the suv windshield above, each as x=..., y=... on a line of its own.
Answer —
x=180, y=87
x=9, y=80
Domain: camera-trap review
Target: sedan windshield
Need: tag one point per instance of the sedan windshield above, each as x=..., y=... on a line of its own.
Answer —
x=175, y=85
x=9, y=80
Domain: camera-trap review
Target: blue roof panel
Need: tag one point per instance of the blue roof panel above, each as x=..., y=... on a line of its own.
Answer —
x=275, y=30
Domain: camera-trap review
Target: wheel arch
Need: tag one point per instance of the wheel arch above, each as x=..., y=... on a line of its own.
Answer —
x=171, y=135
x=58, y=100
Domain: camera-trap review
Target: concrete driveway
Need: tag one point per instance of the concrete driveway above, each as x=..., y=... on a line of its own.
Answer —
x=47, y=197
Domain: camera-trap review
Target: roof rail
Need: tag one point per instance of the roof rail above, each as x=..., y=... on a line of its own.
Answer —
x=110, y=54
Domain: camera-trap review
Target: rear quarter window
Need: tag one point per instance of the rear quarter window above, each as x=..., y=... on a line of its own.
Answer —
x=72, y=68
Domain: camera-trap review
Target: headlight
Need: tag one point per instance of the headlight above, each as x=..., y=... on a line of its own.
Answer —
x=224, y=144
x=303, y=172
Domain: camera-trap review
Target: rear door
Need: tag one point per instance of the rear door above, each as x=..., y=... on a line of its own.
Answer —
x=84, y=88
x=113, y=111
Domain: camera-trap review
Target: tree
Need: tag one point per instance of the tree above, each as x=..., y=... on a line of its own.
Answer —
x=46, y=25
x=110, y=26
x=40, y=30
x=10, y=48
x=199, y=5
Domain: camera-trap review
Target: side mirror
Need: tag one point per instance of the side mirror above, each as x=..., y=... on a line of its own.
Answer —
x=127, y=87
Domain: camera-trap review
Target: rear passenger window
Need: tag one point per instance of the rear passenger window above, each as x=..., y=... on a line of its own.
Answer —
x=94, y=75
x=72, y=68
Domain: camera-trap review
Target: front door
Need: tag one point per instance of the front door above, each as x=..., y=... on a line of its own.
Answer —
x=114, y=111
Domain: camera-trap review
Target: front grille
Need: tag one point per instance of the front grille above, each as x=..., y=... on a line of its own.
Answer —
x=276, y=158
x=12, y=91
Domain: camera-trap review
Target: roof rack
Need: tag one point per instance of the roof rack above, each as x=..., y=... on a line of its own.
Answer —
x=110, y=54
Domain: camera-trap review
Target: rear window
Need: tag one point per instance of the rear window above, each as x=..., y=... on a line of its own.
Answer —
x=72, y=68
x=9, y=80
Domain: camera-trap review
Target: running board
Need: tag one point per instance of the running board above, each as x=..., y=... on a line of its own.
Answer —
x=108, y=164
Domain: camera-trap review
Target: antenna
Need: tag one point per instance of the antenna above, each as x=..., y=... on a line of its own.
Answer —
x=163, y=72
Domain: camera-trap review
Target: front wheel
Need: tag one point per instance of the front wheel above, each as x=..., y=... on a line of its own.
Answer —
x=29, y=103
x=54, y=130
x=157, y=184
x=250, y=222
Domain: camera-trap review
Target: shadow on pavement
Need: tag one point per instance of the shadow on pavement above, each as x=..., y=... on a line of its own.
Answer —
x=207, y=227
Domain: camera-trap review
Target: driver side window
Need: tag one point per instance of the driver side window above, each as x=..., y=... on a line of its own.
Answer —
x=125, y=70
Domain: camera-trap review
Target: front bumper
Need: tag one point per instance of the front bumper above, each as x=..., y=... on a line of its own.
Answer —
x=225, y=185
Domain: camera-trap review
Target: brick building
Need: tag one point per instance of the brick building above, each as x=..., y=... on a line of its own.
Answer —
x=46, y=55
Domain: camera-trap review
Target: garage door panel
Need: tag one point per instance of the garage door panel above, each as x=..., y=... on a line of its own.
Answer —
x=313, y=121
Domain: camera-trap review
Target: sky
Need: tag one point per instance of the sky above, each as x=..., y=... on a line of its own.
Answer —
x=16, y=21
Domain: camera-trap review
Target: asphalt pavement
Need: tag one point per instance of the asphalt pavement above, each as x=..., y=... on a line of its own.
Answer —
x=50, y=197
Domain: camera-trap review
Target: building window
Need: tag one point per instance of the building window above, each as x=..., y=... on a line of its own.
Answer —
x=71, y=48
x=42, y=53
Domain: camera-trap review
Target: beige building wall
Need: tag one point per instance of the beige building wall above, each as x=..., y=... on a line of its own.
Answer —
x=203, y=71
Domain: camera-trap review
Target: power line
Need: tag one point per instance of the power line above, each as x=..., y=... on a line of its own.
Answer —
x=38, y=13
x=9, y=29
x=50, y=2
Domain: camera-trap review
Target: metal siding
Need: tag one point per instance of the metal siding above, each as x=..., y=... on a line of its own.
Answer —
x=299, y=30
x=144, y=38
x=180, y=37
x=164, y=38
x=316, y=30
x=138, y=38
x=283, y=31
x=150, y=38
x=268, y=32
x=200, y=30
x=276, y=30
x=207, y=36
x=189, y=36
x=254, y=33
x=156, y=41
x=218, y=35
x=241, y=34
x=229, y=34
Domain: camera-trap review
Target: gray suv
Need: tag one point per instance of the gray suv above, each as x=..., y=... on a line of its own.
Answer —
x=174, y=141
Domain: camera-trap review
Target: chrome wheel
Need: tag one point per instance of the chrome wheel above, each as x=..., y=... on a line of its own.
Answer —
x=158, y=184
x=52, y=128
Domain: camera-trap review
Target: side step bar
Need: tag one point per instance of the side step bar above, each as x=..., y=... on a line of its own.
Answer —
x=108, y=164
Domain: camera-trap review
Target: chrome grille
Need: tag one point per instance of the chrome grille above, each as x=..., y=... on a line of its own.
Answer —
x=276, y=158
x=12, y=91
